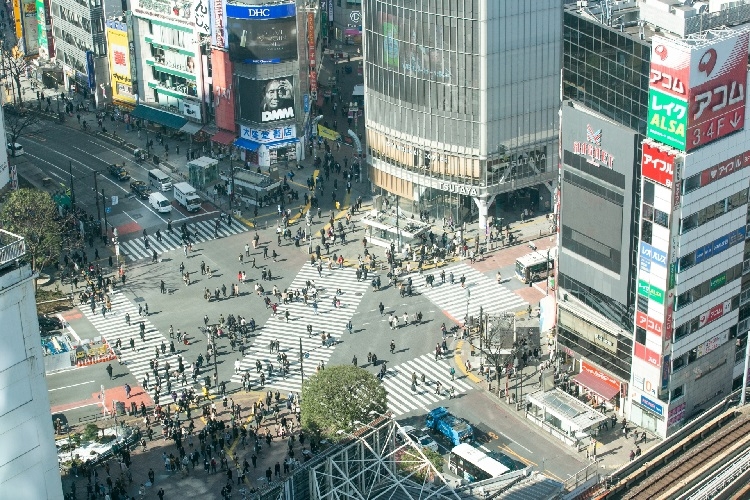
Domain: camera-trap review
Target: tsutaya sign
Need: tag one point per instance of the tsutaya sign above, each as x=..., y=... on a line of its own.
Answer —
x=592, y=149
x=452, y=187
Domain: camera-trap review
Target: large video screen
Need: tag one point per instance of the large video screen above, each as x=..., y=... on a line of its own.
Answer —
x=266, y=101
x=266, y=41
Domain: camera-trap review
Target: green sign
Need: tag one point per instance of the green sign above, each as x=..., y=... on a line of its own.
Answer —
x=718, y=282
x=667, y=119
x=41, y=26
x=643, y=288
x=656, y=294
x=672, y=274
x=324, y=23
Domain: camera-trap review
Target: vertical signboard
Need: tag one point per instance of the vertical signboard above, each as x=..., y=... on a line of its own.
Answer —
x=30, y=30
x=41, y=27
x=697, y=91
x=219, y=32
x=657, y=164
x=119, y=63
x=90, y=69
x=131, y=55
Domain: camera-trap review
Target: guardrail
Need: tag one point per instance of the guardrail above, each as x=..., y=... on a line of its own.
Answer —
x=12, y=247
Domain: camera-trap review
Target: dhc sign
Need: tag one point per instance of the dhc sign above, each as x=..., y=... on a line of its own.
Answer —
x=261, y=11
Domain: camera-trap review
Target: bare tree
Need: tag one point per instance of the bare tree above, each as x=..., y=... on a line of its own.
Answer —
x=17, y=120
x=14, y=66
x=498, y=342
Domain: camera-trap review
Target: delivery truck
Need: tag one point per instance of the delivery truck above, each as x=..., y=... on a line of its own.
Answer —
x=186, y=195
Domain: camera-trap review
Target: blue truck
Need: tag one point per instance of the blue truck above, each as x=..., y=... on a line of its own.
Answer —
x=456, y=429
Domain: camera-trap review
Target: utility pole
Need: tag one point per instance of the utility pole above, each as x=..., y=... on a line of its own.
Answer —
x=72, y=191
x=301, y=357
x=231, y=183
x=398, y=232
x=106, y=232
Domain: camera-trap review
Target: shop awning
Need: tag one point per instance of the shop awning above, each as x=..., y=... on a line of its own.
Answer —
x=159, y=116
x=191, y=128
x=595, y=385
x=247, y=144
x=224, y=137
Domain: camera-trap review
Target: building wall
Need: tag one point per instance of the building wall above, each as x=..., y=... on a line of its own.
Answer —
x=28, y=457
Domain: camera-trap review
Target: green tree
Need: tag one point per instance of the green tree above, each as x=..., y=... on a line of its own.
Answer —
x=32, y=214
x=337, y=396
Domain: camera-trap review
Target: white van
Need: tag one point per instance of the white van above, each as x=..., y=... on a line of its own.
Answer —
x=159, y=180
x=159, y=202
x=15, y=149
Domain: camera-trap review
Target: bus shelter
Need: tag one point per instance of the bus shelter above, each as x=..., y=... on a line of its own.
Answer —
x=564, y=416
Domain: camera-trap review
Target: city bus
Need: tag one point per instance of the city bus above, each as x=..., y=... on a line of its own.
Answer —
x=535, y=266
x=472, y=464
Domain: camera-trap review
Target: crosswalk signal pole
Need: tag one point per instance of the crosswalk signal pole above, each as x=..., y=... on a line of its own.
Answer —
x=106, y=232
x=301, y=365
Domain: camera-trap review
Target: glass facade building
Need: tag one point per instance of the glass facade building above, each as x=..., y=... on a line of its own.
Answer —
x=461, y=101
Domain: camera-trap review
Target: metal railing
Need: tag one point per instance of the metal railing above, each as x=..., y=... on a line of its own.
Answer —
x=12, y=247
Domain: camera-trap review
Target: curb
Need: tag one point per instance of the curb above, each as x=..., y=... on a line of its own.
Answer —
x=457, y=359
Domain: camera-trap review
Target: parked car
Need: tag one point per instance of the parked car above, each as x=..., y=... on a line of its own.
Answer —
x=141, y=189
x=119, y=172
x=49, y=323
x=420, y=437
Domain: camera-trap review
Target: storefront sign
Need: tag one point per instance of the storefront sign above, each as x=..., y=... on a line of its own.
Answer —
x=725, y=168
x=651, y=291
x=404, y=148
x=191, y=110
x=119, y=63
x=648, y=323
x=592, y=149
x=676, y=414
x=268, y=135
x=697, y=91
x=669, y=320
x=219, y=32
x=717, y=282
x=666, y=370
x=715, y=313
x=712, y=344
x=652, y=406
x=592, y=370
x=721, y=244
x=653, y=255
x=657, y=164
x=244, y=11
x=453, y=187
x=647, y=355
x=188, y=13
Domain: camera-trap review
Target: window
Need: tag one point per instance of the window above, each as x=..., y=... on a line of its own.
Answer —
x=678, y=363
x=677, y=392
x=713, y=211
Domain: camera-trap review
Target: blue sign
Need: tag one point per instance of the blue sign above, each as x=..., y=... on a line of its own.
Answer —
x=262, y=61
x=306, y=102
x=719, y=245
x=108, y=209
x=651, y=405
x=261, y=11
x=90, y=69
x=652, y=255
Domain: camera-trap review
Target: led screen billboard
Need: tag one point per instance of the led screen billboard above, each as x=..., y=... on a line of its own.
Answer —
x=266, y=101
x=261, y=34
x=697, y=92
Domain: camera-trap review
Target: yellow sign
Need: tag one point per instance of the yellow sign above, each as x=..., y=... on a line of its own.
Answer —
x=119, y=66
x=19, y=19
x=327, y=133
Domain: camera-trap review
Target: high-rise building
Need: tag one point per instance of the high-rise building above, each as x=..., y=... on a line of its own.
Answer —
x=461, y=104
x=652, y=286
x=28, y=457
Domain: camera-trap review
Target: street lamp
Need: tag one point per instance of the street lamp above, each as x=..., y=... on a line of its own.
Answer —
x=106, y=232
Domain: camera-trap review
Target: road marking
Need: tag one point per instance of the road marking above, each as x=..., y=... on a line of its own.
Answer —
x=519, y=457
x=512, y=441
x=69, y=386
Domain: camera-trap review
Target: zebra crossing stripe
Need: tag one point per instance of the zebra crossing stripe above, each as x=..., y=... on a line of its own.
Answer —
x=483, y=293
x=113, y=327
x=397, y=382
x=202, y=231
x=330, y=319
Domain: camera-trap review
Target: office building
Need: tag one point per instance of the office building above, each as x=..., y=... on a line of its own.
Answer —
x=651, y=291
x=28, y=457
x=461, y=105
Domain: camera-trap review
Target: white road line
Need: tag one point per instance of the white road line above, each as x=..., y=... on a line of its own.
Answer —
x=69, y=386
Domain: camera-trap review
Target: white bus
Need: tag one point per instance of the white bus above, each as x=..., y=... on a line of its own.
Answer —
x=472, y=464
x=535, y=266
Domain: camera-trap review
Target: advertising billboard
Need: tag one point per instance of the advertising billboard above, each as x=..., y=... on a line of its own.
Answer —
x=119, y=63
x=657, y=164
x=189, y=13
x=41, y=27
x=266, y=101
x=219, y=22
x=30, y=27
x=697, y=92
x=264, y=34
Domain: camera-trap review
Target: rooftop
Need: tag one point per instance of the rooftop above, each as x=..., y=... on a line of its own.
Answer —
x=12, y=248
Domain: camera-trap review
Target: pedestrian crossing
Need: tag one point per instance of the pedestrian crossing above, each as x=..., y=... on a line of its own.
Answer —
x=293, y=334
x=113, y=326
x=397, y=382
x=479, y=292
x=200, y=231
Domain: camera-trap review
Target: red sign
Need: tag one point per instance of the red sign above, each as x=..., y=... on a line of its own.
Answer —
x=669, y=320
x=657, y=164
x=647, y=355
x=715, y=313
x=590, y=369
x=648, y=323
x=725, y=168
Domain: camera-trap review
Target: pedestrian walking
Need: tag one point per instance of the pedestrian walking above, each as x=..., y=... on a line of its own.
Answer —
x=393, y=346
x=109, y=371
x=163, y=287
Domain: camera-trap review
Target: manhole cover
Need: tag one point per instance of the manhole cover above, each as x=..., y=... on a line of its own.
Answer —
x=136, y=215
x=138, y=299
x=358, y=294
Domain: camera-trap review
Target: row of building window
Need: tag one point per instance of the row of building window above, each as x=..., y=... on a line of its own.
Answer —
x=694, y=325
x=713, y=211
x=709, y=286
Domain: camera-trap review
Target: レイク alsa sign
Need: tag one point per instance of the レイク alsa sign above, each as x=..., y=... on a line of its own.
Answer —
x=697, y=92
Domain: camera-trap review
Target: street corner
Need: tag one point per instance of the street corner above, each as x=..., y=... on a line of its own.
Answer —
x=532, y=295
x=458, y=358
x=138, y=395
x=130, y=227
